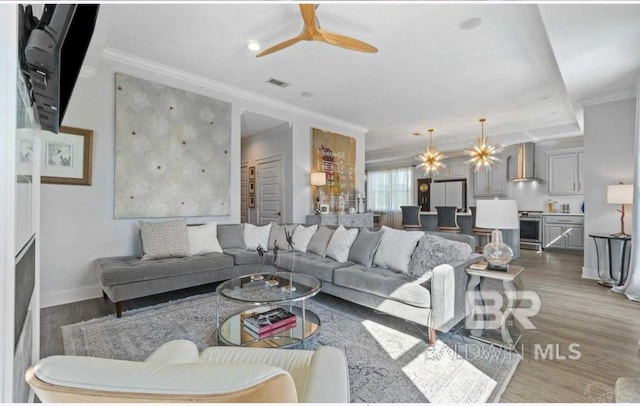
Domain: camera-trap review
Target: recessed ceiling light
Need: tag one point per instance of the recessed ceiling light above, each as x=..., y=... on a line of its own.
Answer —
x=306, y=94
x=470, y=24
x=253, y=45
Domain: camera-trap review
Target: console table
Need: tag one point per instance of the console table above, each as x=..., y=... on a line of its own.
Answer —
x=348, y=220
x=613, y=253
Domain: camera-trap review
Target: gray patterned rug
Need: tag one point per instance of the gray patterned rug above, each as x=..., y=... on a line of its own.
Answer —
x=389, y=361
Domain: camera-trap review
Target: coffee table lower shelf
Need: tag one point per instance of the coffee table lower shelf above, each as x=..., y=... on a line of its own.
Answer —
x=232, y=331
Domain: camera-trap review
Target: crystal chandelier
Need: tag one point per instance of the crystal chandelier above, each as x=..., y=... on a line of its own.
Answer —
x=482, y=154
x=431, y=159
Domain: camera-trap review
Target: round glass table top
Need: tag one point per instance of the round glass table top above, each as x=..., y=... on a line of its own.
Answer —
x=270, y=288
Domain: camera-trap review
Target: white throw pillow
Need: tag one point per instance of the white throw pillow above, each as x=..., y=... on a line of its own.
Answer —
x=396, y=247
x=302, y=236
x=203, y=239
x=254, y=236
x=340, y=243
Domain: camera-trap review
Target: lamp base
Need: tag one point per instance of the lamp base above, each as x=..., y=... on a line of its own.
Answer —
x=497, y=267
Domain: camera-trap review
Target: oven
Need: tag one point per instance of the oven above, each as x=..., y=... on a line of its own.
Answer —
x=530, y=230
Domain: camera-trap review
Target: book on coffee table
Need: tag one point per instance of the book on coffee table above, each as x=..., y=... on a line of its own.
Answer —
x=269, y=320
x=272, y=332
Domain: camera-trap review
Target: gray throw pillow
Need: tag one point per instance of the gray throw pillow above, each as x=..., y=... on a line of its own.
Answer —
x=433, y=250
x=364, y=247
x=277, y=234
x=231, y=236
x=320, y=241
x=164, y=239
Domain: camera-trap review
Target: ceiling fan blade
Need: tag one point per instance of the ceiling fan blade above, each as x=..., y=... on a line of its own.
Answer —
x=280, y=46
x=308, y=12
x=346, y=42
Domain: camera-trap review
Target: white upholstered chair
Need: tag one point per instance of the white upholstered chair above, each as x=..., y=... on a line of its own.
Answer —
x=175, y=372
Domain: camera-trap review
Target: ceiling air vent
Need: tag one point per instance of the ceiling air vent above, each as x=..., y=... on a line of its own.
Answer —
x=277, y=82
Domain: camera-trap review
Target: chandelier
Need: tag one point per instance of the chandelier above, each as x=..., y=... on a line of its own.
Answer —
x=431, y=159
x=482, y=154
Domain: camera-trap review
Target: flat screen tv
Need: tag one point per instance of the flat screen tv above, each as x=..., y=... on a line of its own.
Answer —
x=52, y=52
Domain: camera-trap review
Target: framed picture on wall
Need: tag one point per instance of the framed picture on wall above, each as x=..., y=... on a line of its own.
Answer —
x=252, y=201
x=324, y=208
x=252, y=173
x=252, y=186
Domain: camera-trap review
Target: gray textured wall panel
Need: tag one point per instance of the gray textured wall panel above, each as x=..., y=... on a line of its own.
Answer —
x=172, y=152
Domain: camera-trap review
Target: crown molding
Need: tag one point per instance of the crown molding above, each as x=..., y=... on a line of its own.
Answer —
x=612, y=97
x=132, y=60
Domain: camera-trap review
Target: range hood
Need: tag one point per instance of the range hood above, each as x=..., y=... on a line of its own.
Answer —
x=526, y=163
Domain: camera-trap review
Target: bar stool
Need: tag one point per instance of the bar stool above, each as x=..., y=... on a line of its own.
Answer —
x=411, y=218
x=477, y=231
x=447, y=219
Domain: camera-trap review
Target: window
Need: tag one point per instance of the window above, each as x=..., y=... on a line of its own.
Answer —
x=390, y=189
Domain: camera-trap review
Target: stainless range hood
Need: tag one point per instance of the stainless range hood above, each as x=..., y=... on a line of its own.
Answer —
x=526, y=163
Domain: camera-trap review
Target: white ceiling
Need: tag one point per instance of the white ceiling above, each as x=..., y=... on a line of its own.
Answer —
x=527, y=68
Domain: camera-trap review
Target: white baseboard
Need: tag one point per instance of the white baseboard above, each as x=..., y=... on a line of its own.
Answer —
x=588, y=273
x=60, y=297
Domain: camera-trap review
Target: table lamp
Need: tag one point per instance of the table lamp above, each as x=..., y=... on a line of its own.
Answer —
x=497, y=214
x=318, y=179
x=620, y=194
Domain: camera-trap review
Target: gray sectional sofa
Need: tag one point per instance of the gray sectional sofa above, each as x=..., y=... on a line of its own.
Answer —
x=436, y=299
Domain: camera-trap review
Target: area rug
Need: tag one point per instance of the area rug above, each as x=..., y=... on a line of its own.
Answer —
x=389, y=361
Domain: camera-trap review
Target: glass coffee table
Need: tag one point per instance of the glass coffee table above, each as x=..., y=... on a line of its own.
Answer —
x=260, y=293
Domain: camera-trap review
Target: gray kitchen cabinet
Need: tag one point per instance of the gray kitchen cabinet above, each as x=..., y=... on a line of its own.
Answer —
x=556, y=226
x=565, y=170
x=454, y=169
x=492, y=182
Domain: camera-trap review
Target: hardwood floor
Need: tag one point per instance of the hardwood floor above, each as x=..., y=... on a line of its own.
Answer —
x=605, y=326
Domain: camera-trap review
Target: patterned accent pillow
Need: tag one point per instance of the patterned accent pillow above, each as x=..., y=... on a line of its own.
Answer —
x=340, y=243
x=203, y=239
x=320, y=240
x=433, y=250
x=254, y=236
x=364, y=247
x=302, y=237
x=164, y=239
x=396, y=247
x=277, y=234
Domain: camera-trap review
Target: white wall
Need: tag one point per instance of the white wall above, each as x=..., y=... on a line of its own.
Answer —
x=609, y=146
x=77, y=221
x=271, y=143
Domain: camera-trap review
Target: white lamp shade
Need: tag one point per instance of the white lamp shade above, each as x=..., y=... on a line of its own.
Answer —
x=318, y=178
x=620, y=194
x=498, y=214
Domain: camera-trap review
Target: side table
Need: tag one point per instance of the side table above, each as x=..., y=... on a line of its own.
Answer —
x=482, y=281
x=613, y=253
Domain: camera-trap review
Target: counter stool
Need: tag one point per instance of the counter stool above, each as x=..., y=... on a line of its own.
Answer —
x=411, y=218
x=477, y=231
x=447, y=220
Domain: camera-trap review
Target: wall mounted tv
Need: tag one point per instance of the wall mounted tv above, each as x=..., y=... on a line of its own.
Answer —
x=52, y=52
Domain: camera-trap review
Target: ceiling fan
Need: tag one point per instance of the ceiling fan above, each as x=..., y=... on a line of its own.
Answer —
x=312, y=32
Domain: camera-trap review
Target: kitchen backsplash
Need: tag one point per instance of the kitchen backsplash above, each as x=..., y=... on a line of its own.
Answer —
x=533, y=196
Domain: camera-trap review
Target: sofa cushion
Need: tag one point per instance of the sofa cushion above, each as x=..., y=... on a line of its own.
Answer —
x=231, y=236
x=320, y=241
x=120, y=270
x=396, y=247
x=320, y=267
x=255, y=236
x=244, y=257
x=302, y=237
x=164, y=239
x=364, y=247
x=340, y=243
x=385, y=283
x=277, y=234
x=203, y=239
x=433, y=250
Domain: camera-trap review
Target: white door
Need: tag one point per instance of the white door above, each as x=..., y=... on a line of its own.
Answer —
x=244, y=181
x=270, y=198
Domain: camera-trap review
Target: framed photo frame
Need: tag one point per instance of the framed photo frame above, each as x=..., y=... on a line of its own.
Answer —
x=252, y=173
x=324, y=208
x=252, y=186
x=252, y=201
x=67, y=157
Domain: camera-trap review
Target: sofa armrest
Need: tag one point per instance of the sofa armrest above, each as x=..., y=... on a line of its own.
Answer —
x=443, y=287
x=328, y=377
x=175, y=352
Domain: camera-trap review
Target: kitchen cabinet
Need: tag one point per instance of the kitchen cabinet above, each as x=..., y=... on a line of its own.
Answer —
x=492, y=182
x=565, y=169
x=554, y=228
x=455, y=169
